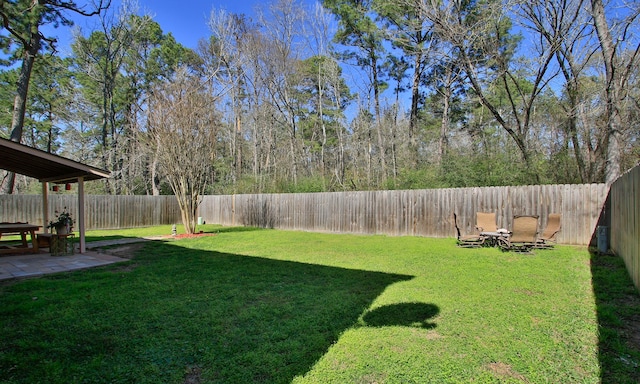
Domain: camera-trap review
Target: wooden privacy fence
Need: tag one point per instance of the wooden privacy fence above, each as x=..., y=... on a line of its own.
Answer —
x=102, y=212
x=415, y=212
x=625, y=221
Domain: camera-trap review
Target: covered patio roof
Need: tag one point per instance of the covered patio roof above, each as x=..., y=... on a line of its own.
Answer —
x=44, y=166
x=49, y=168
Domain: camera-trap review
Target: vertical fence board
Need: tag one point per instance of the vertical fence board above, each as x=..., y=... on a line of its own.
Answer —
x=415, y=212
x=398, y=213
x=625, y=221
x=101, y=212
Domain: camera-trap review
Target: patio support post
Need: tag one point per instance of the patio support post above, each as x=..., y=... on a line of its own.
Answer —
x=45, y=206
x=81, y=224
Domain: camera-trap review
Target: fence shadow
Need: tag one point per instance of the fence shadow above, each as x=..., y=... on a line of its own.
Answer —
x=618, y=312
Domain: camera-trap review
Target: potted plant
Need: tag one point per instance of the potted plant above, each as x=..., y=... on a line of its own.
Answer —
x=63, y=222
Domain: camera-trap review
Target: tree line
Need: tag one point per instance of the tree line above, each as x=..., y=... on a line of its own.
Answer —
x=338, y=95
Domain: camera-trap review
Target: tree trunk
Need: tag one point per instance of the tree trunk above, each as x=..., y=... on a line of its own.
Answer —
x=155, y=178
x=613, y=91
x=444, y=125
x=446, y=119
x=20, y=104
x=237, y=144
x=376, y=96
x=415, y=98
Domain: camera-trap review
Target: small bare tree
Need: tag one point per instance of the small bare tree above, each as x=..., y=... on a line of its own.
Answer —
x=181, y=136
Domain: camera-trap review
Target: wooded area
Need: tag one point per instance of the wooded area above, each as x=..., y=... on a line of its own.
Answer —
x=339, y=96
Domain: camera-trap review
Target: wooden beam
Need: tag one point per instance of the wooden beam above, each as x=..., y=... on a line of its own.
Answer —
x=45, y=206
x=81, y=222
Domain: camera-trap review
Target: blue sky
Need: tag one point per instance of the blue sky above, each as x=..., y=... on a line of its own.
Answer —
x=185, y=19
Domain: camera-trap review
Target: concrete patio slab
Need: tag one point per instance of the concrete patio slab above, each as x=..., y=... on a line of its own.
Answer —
x=34, y=265
x=42, y=263
x=39, y=264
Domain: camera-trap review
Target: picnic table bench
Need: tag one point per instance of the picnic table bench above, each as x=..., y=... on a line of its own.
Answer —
x=20, y=229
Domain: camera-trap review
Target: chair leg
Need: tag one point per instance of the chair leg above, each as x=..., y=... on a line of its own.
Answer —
x=504, y=244
x=526, y=249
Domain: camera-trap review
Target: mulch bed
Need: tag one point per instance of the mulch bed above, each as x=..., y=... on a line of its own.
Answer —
x=190, y=235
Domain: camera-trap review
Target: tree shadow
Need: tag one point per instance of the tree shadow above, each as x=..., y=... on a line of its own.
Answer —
x=230, y=318
x=618, y=312
x=403, y=314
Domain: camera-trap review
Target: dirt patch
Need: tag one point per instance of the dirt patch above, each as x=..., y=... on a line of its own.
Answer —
x=190, y=235
x=631, y=327
x=372, y=378
x=125, y=251
x=124, y=268
x=192, y=375
x=433, y=335
x=505, y=371
x=527, y=292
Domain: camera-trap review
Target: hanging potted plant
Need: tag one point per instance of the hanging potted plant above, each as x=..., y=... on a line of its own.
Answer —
x=63, y=223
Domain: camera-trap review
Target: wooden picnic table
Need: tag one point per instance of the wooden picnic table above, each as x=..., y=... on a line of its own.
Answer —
x=20, y=229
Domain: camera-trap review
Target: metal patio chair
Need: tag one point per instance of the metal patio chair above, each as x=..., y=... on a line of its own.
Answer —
x=523, y=236
x=468, y=240
x=548, y=237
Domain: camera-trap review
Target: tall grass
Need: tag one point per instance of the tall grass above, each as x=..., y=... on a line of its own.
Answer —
x=265, y=306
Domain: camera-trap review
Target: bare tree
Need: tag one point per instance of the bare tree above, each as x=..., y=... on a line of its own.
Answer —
x=564, y=25
x=261, y=127
x=585, y=41
x=614, y=39
x=181, y=133
x=320, y=27
x=224, y=55
x=485, y=49
x=282, y=23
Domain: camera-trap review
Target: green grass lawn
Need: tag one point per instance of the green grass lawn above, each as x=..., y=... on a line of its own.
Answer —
x=267, y=306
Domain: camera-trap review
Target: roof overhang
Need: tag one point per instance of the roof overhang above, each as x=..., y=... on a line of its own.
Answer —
x=44, y=166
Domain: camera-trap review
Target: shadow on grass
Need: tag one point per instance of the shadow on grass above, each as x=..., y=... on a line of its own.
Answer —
x=618, y=311
x=207, y=229
x=90, y=239
x=236, y=229
x=222, y=317
x=403, y=314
